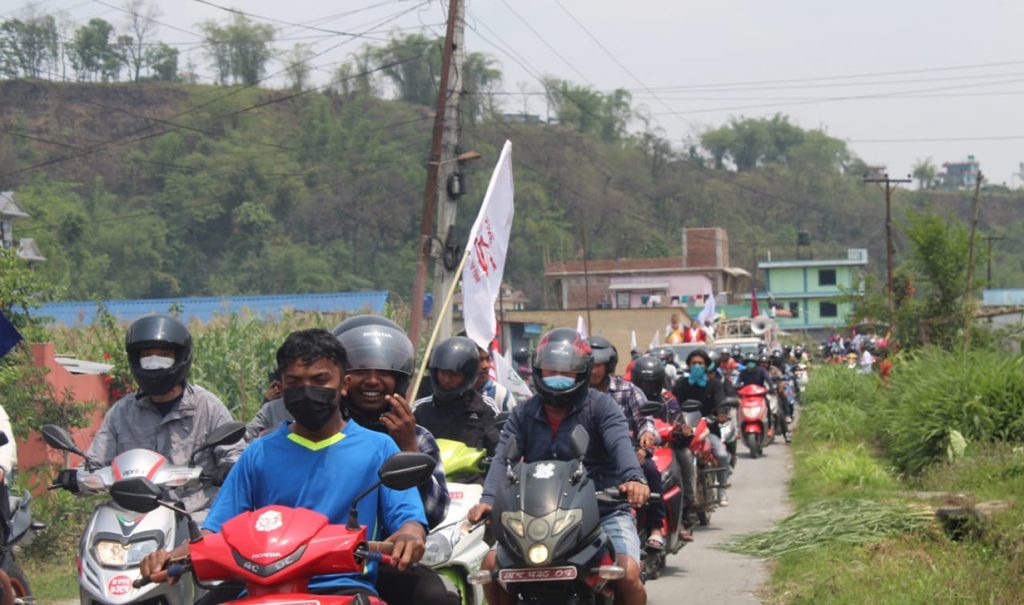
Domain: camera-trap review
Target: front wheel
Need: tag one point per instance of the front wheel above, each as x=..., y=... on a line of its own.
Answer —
x=457, y=579
x=750, y=439
x=19, y=582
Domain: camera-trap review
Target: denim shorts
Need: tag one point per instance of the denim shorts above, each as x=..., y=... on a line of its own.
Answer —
x=621, y=530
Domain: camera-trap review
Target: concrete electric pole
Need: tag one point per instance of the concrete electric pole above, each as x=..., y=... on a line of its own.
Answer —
x=890, y=186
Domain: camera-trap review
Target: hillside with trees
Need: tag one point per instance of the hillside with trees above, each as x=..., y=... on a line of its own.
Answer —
x=142, y=182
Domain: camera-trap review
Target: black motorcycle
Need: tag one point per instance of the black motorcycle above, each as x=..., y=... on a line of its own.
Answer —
x=551, y=548
x=18, y=525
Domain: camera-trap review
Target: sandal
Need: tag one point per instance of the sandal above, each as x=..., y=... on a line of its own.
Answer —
x=656, y=542
x=685, y=536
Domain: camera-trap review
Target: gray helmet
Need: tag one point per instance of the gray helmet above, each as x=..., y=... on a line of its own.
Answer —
x=363, y=320
x=456, y=354
x=563, y=350
x=604, y=352
x=160, y=332
x=379, y=347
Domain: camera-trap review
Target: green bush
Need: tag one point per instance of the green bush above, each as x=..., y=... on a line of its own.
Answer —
x=841, y=406
x=979, y=393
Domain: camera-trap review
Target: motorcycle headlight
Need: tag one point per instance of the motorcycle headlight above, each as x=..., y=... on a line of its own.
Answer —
x=567, y=519
x=513, y=524
x=538, y=554
x=439, y=547
x=115, y=554
x=91, y=481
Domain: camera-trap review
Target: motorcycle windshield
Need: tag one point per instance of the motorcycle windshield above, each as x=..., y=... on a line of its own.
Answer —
x=542, y=485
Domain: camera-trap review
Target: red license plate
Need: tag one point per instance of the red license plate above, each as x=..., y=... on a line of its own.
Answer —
x=544, y=574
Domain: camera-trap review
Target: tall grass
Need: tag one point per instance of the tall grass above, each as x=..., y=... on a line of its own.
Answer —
x=841, y=406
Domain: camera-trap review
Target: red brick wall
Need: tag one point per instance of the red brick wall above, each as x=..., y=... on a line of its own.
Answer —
x=704, y=245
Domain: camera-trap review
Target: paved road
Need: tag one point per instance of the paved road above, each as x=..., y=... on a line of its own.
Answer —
x=699, y=573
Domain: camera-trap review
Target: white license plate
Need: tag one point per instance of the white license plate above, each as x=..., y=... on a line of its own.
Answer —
x=544, y=574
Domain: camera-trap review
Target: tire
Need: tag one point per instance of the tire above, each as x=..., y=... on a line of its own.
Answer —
x=750, y=439
x=19, y=582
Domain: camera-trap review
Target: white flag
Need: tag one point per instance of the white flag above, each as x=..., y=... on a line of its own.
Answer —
x=581, y=327
x=707, y=314
x=632, y=341
x=509, y=378
x=654, y=341
x=487, y=248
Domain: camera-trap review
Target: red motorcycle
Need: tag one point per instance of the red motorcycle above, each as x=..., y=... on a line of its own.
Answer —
x=275, y=550
x=671, y=496
x=705, y=497
x=754, y=418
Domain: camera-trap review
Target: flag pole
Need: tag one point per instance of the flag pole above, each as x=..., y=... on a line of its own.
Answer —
x=445, y=308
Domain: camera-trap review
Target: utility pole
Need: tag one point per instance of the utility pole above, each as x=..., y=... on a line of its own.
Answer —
x=989, y=239
x=449, y=181
x=433, y=166
x=586, y=273
x=969, y=292
x=890, y=186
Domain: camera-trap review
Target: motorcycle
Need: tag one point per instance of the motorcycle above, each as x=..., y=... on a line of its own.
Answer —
x=778, y=409
x=20, y=528
x=454, y=548
x=664, y=458
x=705, y=496
x=551, y=548
x=115, y=540
x=275, y=550
x=754, y=419
x=730, y=431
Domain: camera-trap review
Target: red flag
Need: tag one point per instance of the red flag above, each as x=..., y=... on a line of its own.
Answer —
x=754, y=311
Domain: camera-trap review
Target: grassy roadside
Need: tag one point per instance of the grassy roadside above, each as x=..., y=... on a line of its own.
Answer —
x=860, y=535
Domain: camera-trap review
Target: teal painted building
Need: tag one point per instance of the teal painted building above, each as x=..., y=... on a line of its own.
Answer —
x=808, y=288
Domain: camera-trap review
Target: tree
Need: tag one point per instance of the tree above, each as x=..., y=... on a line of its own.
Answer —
x=92, y=55
x=297, y=66
x=29, y=47
x=239, y=50
x=479, y=77
x=924, y=172
x=163, y=62
x=141, y=25
x=589, y=111
x=413, y=66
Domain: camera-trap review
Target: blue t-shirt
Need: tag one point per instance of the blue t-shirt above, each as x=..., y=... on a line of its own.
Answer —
x=285, y=469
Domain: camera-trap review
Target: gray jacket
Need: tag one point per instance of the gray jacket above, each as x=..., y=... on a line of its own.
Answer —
x=134, y=422
x=272, y=413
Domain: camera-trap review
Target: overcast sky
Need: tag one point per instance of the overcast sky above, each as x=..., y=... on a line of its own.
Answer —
x=899, y=80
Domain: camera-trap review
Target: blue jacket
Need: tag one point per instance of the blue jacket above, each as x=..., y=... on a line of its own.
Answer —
x=610, y=459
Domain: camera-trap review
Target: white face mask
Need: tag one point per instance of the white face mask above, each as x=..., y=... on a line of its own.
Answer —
x=156, y=362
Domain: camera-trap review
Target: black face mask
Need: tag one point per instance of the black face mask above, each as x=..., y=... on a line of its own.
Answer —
x=311, y=406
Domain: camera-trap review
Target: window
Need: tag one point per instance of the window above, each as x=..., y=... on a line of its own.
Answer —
x=794, y=309
x=826, y=277
x=828, y=309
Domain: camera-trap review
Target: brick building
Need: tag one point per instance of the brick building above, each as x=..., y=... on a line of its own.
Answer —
x=629, y=283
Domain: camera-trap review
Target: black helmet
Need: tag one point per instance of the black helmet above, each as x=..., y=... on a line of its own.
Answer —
x=714, y=357
x=363, y=320
x=751, y=356
x=563, y=350
x=776, y=354
x=724, y=354
x=160, y=332
x=699, y=353
x=456, y=354
x=762, y=358
x=378, y=347
x=649, y=375
x=521, y=355
x=604, y=352
x=737, y=352
x=666, y=355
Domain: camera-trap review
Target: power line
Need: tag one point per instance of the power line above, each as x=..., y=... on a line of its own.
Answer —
x=283, y=22
x=545, y=42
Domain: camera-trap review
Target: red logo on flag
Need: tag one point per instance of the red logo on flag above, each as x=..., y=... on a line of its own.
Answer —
x=483, y=262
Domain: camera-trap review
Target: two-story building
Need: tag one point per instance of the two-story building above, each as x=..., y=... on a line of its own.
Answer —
x=807, y=289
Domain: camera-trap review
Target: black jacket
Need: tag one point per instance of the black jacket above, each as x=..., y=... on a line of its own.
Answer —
x=709, y=396
x=472, y=424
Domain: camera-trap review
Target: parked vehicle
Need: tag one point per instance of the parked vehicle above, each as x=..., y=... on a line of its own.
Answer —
x=551, y=548
x=755, y=424
x=116, y=539
x=21, y=529
x=275, y=550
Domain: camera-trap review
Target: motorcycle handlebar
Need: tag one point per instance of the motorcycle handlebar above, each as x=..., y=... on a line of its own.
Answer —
x=163, y=575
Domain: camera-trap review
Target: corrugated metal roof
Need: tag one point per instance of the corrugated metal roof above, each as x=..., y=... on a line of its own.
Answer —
x=205, y=308
x=10, y=208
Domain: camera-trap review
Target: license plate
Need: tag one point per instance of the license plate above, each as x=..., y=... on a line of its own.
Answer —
x=544, y=574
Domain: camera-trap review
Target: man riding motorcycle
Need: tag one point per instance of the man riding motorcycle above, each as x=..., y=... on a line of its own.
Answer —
x=706, y=388
x=542, y=426
x=168, y=414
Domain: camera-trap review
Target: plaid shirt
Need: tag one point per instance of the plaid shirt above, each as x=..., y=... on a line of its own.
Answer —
x=630, y=398
x=434, y=494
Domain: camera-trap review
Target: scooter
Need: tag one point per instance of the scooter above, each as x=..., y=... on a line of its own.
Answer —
x=551, y=548
x=115, y=540
x=454, y=548
x=21, y=529
x=754, y=419
x=275, y=550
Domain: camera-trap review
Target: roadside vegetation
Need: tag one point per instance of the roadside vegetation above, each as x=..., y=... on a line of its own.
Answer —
x=873, y=462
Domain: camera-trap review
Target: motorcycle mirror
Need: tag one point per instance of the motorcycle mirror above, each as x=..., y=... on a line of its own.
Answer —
x=406, y=469
x=579, y=439
x=57, y=437
x=4, y=439
x=512, y=452
x=137, y=494
x=690, y=405
x=227, y=433
x=651, y=408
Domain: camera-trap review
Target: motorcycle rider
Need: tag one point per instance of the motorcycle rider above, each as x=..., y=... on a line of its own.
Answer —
x=521, y=359
x=706, y=388
x=752, y=373
x=630, y=398
x=167, y=414
x=485, y=385
x=378, y=367
x=564, y=400
x=318, y=444
x=456, y=410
